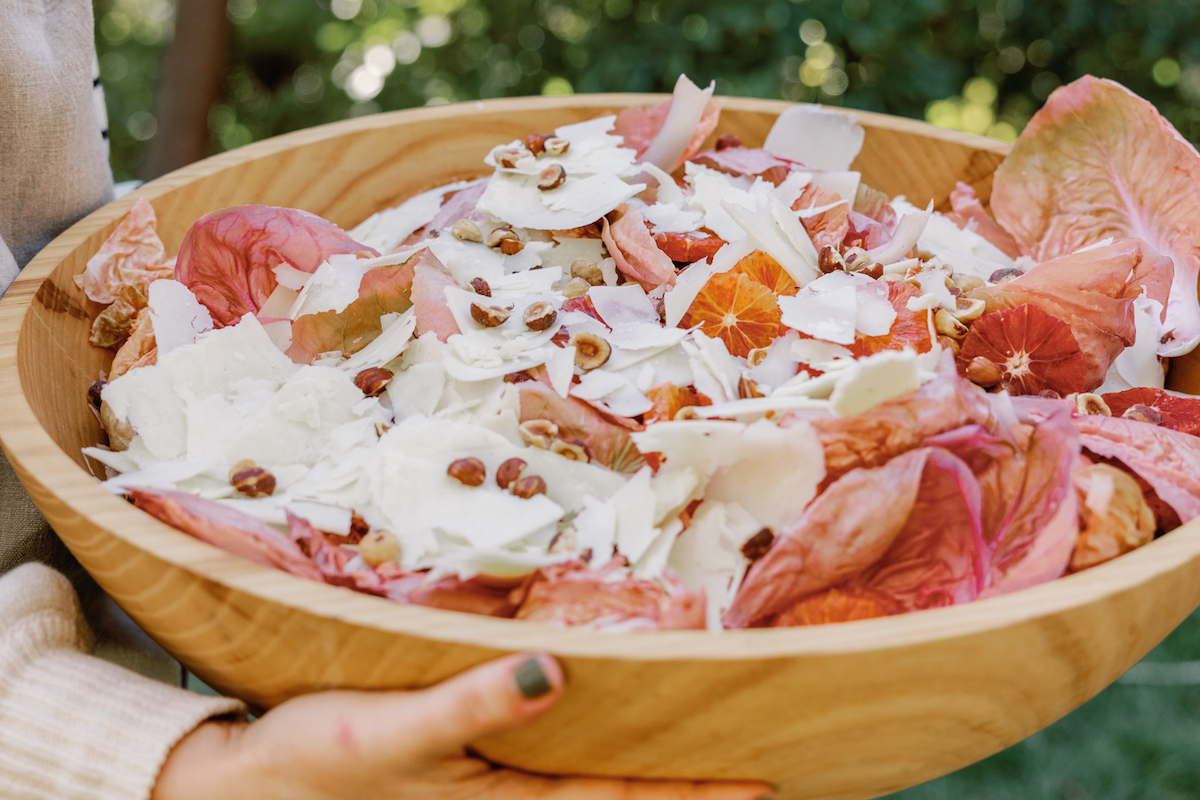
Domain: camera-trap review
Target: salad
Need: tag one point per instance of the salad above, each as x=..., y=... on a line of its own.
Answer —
x=630, y=382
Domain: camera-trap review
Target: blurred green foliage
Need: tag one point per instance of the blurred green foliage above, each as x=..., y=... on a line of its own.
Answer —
x=978, y=65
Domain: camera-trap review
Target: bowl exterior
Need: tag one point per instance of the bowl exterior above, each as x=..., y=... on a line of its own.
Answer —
x=845, y=711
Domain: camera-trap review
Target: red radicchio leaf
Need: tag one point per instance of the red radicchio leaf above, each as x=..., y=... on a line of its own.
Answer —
x=749, y=161
x=1094, y=293
x=227, y=257
x=384, y=290
x=829, y=227
x=430, y=280
x=635, y=251
x=132, y=255
x=607, y=443
x=225, y=528
x=968, y=209
x=1168, y=460
x=572, y=594
x=1097, y=161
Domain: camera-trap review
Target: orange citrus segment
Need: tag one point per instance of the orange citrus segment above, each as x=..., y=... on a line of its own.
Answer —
x=737, y=310
x=758, y=266
x=911, y=328
x=668, y=399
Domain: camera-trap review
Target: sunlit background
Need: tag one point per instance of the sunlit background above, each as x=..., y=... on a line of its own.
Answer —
x=982, y=66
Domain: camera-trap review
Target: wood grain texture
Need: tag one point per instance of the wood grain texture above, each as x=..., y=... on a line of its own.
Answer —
x=841, y=711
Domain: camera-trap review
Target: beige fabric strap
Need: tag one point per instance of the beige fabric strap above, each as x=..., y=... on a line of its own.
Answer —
x=74, y=727
x=53, y=154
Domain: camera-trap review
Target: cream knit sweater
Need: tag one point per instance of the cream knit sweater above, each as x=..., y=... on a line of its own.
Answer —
x=72, y=727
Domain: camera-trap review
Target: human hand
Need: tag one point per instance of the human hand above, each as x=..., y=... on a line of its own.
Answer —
x=348, y=745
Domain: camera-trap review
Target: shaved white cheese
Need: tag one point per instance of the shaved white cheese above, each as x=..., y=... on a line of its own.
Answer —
x=679, y=299
x=829, y=315
x=779, y=365
x=652, y=563
x=279, y=304
x=613, y=390
x=176, y=315
x=817, y=353
x=289, y=277
x=333, y=287
x=875, y=314
x=907, y=234
x=280, y=331
x=387, y=229
x=1138, y=364
x=579, y=201
x=844, y=184
x=875, y=379
x=799, y=239
x=769, y=236
x=970, y=253
x=716, y=373
x=592, y=150
x=792, y=187
x=711, y=188
x=817, y=136
x=418, y=390
x=634, y=505
x=755, y=408
x=933, y=282
x=596, y=528
x=669, y=192
x=560, y=368
x=397, y=332
x=687, y=107
x=620, y=305
x=672, y=218
x=708, y=555
x=467, y=562
x=566, y=250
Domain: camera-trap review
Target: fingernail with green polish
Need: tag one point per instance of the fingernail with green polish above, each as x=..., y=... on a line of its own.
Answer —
x=531, y=678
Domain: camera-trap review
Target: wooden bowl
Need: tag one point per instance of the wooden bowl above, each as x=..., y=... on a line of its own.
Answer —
x=840, y=711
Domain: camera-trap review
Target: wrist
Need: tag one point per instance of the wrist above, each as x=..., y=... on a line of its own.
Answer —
x=202, y=765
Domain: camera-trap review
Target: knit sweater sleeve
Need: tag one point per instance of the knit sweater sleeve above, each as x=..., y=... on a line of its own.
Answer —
x=73, y=727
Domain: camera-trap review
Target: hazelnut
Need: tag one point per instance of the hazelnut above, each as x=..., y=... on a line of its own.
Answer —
x=565, y=541
x=379, y=547
x=359, y=528
x=373, y=380
x=945, y=324
x=556, y=146
x=576, y=287
x=489, y=316
x=528, y=486
x=468, y=471
x=757, y=356
x=539, y=315
x=551, y=177
x=251, y=480
x=588, y=270
x=727, y=140
x=966, y=283
x=499, y=235
x=508, y=472
x=509, y=156
x=466, y=231
x=830, y=260
x=984, y=372
x=686, y=413
x=1143, y=413
x=757, y=545
x=748, y=388
x=538, y=433
x=950, y=344
x=95, y=390
x=510, y=247
x=1005, y=275
x=536, y=143
x=481, y=287
x=856, y=259
x=590, y=350
x=569, y=450
x=381, y=428
x=1091, y=404
x=968, y=310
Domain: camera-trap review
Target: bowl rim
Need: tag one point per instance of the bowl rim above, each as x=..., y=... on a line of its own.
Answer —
x=36, y=457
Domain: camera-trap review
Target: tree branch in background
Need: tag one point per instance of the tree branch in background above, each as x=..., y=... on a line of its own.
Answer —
x=193, y=71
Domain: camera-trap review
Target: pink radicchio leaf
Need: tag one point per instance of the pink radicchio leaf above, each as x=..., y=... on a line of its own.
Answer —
x=751, y=162
x=1093, y=292
x=484, y=595
x=331, y=559
x=873, y=203
x=968, y=209
x=223, y=527
x=605, y=442
x=227, y=257
x=570, y=594
x=1096, y=162
x=635, y=251
x=1167, y=460
x=865, y=232
x=132, y=256
x=668, y=134
x=845, y=530
x=383, y=290
x=456, y=205
x=829, y=227
x=430, y=280
x=897, y=426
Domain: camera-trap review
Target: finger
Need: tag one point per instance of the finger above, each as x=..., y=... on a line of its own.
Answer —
x=493, y=697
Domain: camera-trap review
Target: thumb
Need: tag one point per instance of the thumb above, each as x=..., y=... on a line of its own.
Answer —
x=490, y=698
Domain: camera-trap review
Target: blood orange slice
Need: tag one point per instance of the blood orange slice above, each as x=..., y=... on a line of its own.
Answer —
x=688, y=248
x=839, y=604
x=910, y=330
x=668, y=399
x=1178, y=413
x=737, y=310
x=758, y=266
x=1034, y=350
